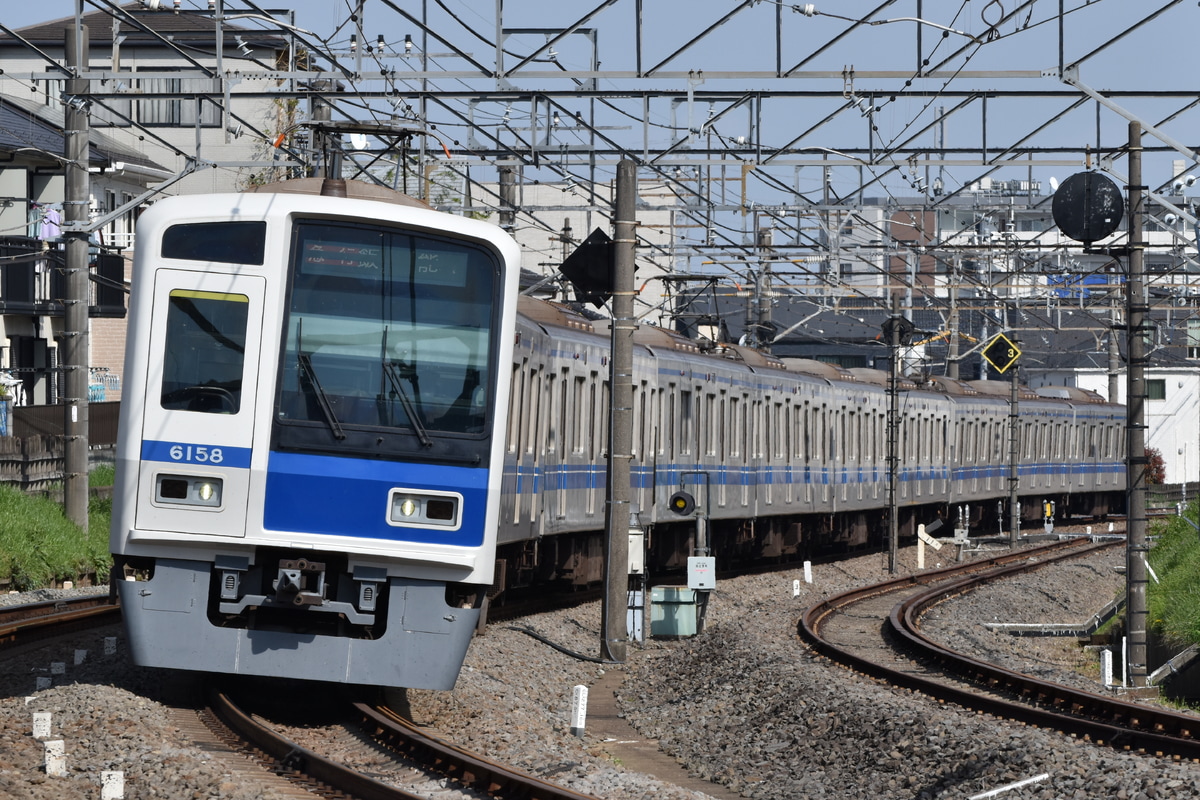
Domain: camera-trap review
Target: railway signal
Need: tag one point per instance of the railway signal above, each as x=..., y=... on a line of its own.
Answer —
x=682, y=503
x=1001, y=353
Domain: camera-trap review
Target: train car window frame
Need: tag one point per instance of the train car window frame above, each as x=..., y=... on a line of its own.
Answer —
x=204, y=351
x=389, y=343
x=221, y=242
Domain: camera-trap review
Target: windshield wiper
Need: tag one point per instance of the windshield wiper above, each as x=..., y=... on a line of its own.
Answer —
x=392, y=370
x=322, y=399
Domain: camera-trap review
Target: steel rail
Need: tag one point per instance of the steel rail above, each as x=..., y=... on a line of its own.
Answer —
x=1092, y=717
x=325, y=776
x=297, y=763
x=30, y=621
x=467, y=768
x=1101, y=718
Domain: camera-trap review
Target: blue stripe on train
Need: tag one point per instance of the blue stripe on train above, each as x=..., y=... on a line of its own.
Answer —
x=196, y=453
x=349, y=497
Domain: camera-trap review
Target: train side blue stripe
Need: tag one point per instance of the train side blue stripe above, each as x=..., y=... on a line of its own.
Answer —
x=196, y=453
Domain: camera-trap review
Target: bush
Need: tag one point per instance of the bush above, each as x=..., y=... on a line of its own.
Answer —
x=1156, y=467
x=1173, y=602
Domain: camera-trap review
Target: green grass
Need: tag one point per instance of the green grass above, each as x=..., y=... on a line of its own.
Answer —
x=1174, y=601
x=39, y=545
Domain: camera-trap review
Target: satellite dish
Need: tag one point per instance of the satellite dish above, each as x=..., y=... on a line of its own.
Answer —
x=358, y=141
x=1053, y=184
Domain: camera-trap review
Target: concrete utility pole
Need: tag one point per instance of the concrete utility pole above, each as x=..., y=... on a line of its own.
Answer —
x=617, y=511
x=1136, y=309
x=893, y=437
x=75, y=348
x=1014, y=440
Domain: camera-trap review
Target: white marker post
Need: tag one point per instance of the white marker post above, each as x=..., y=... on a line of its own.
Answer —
x=41, y=724
x=112, y=785
x=56, y=758
x=579, y=699
x=808, y=572
x=923, y=539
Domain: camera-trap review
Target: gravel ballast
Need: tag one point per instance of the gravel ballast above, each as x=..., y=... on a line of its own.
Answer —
x=745, y=703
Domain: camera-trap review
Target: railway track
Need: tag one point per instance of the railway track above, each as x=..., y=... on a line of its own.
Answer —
x=876, y=630
x=30, y=622
x=309, y=773
x=324, y=776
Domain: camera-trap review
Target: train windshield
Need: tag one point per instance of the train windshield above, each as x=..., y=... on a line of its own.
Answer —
x=388, y=329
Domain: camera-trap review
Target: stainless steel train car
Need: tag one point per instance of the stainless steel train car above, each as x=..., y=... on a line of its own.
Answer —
x=341, y=432
x=785, y=457
x=311, y=438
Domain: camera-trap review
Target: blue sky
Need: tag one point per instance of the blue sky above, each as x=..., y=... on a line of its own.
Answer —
x=1156, y=56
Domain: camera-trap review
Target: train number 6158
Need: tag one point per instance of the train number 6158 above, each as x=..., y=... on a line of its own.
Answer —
x=197, y=453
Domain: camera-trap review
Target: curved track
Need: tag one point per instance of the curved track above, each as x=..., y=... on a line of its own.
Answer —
x=326, y=777
x=876, y=630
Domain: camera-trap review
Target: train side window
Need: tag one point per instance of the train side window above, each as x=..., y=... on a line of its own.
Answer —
x=222, y=242
x=516, y=390
x=707, y=427
x=735, y=422
x=534, y=411
x=685, y=422
x=585, y=424
x=721, y=428
x=670, y=421
x=777, y=431
x=204, y=352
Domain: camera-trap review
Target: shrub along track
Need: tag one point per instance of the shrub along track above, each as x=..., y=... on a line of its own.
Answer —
x=876, y=630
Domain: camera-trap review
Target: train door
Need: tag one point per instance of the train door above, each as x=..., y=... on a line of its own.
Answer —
x=201, y=392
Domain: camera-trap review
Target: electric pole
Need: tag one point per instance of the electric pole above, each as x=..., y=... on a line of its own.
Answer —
x=1135, y=332
x=617, y=511
x=75, y=350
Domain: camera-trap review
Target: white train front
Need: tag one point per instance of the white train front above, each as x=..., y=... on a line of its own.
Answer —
x=309, y=456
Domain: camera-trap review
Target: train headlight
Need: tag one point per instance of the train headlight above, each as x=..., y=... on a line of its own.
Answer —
x=189, y=490
x=415, y=508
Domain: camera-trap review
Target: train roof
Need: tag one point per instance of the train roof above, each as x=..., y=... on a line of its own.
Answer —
x=820, y=369
x=1004, y=389
x=1073, y=393
x=336, y=187
x=751, y=357
x=545, y=312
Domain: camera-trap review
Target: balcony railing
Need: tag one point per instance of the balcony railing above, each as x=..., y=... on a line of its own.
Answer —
x=33, y=281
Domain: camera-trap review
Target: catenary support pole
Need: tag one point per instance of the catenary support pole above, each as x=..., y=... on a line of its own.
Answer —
x=1014, y=474
x=616, y=522
x=893, y=437
x=1135, y=318
x=75, y=349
